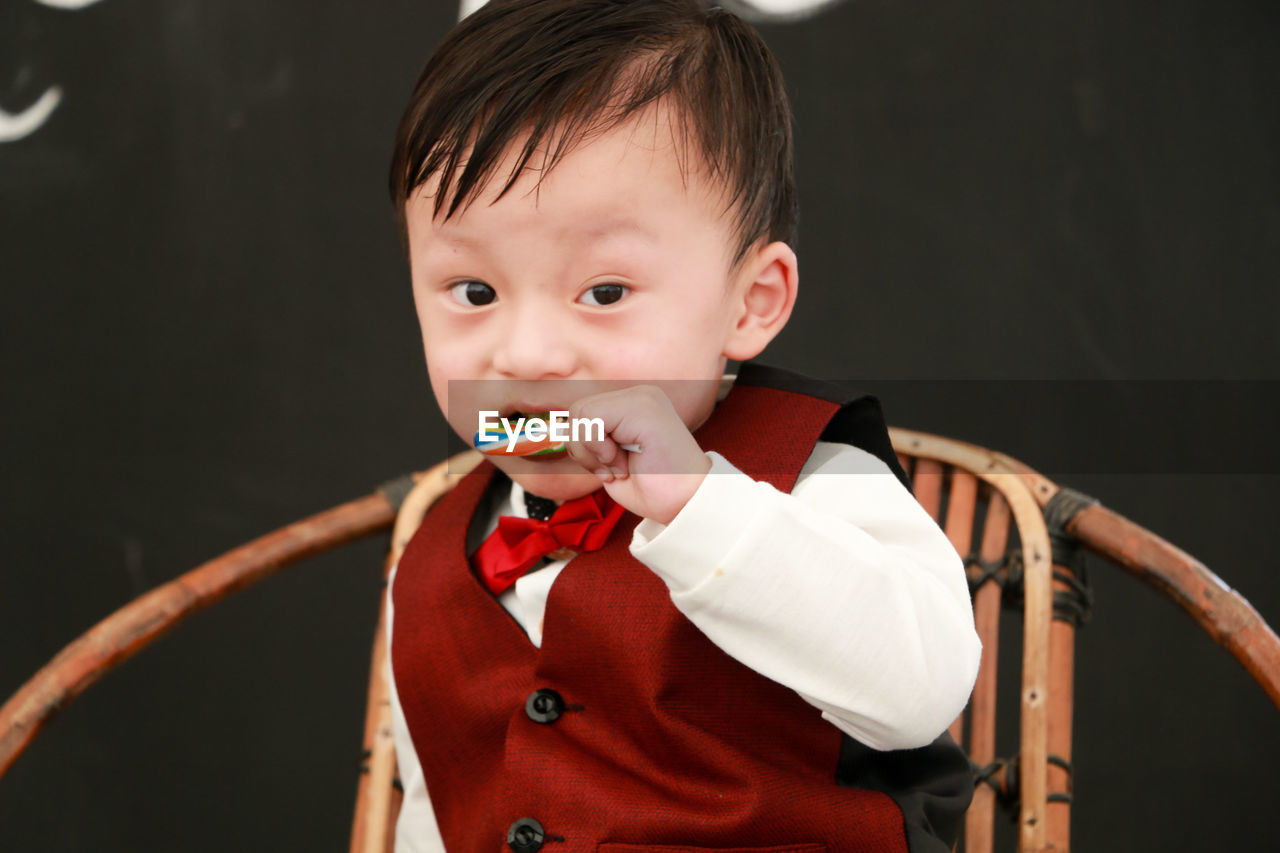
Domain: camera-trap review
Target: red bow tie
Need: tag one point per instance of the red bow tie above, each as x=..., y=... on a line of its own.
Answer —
x=519, y=543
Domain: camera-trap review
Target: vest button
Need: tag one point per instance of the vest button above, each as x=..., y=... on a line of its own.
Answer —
x=544, y=706
x=525, y=835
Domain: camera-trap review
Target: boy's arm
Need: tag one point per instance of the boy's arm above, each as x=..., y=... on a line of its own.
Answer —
x=416, y=830
x=844, y=590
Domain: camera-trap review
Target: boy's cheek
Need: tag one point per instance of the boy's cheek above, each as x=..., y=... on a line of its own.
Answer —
x=692, y=399
x=440, y=390
x=459, y=402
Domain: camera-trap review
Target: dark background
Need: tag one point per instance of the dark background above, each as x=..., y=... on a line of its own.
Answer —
x=208, y=333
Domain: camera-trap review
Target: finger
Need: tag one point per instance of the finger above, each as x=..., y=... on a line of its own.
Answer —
x=597, y=455
x=621, y=418
x=601, y=416
x=620, y=466
x=584, y=455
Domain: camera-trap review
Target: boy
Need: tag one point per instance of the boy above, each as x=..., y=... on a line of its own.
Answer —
x=683, y=632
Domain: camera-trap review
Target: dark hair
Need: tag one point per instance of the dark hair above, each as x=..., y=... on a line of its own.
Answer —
x=561, y=70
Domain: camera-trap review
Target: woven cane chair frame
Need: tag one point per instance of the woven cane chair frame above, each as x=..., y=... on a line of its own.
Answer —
x=1015, y=515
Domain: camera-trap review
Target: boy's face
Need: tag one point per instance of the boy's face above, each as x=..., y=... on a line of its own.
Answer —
x=615, y=266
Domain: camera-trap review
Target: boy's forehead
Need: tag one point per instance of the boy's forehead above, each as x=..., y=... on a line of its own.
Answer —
x=462, y=232
x=618, y=178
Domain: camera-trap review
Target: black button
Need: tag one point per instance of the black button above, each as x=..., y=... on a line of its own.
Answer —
x=544, y=706
x=525, y=835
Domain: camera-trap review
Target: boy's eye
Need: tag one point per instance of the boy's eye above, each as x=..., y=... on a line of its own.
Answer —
x=604, y=294
x=473, y=293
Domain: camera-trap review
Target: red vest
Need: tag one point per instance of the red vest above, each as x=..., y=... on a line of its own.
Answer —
x=628, y=726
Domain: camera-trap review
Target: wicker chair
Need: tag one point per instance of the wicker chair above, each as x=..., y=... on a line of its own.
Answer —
x=1018, y=532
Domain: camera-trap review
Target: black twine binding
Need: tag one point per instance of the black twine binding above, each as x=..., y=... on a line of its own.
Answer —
x=1008, y=795
x=991, y=571
x=1060, y=797
x=395, y=491
x=1073, y=605
x=1014, y=594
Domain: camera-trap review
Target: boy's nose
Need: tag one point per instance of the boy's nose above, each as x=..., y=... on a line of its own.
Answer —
x=534, y=346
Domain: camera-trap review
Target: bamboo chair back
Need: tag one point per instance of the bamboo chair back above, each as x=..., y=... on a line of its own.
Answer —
x=1015, y=529
x=995, y=525
x=999, y=515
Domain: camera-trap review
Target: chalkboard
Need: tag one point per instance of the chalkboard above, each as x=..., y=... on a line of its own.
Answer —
x=1052, y=228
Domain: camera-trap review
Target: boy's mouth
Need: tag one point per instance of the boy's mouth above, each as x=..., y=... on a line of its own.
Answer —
x=523, y=410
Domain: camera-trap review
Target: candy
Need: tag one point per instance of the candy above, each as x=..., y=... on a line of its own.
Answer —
x=499, y=442
x=523, y=446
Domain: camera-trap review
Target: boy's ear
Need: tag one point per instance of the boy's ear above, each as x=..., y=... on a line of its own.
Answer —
x=764, y=294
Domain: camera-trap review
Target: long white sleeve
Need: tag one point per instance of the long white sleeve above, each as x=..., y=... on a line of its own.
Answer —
x=844, y=590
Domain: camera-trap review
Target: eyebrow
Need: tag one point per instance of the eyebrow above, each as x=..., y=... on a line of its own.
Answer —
x=618, y=225
x=460, y=240
x=598, y=230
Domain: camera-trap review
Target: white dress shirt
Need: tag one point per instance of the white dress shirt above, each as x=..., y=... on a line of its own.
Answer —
x=844, y=590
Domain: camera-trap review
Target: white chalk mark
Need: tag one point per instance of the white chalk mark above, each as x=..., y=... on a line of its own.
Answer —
x=469, y=6
x=755, y=10
x=14, y=127
x=777, y=10
x=27, y=122
x=66, y=4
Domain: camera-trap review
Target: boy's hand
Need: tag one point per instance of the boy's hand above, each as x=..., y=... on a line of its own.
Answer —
x=658, y=481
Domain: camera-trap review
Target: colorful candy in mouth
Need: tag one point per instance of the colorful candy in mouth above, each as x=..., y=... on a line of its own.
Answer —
x=523, y=446
x=500, y=443
x=520, y=442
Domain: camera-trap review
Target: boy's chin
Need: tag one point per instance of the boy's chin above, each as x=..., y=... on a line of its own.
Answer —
x=557, y=479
